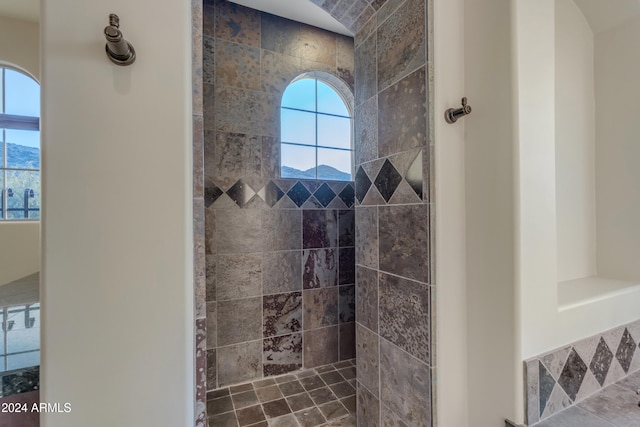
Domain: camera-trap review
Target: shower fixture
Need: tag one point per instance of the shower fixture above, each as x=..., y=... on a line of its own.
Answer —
x=119, y=51
x=452, y=115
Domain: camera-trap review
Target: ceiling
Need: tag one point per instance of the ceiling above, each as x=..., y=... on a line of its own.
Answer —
x=297, y=10
x=25, y=10
x=301, y=11
x=602, y=16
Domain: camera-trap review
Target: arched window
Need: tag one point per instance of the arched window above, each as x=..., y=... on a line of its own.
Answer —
x=316, y=130
x=19, y=146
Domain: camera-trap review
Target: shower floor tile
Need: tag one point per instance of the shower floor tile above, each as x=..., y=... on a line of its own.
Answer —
x=323, y=396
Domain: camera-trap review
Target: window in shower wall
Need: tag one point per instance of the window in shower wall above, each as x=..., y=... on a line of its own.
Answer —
x=19, y=146
x=316, y=132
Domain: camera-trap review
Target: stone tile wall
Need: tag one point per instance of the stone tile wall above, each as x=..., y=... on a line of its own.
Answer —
x=393, y=276
x=565, y=376
x=280, y=253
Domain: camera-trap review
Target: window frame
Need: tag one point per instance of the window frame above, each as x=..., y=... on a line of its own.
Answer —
x=15, y=122
x=346, y=95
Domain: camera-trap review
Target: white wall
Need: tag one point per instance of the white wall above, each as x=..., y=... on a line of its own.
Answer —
x=617, y=151
x=575, y=143
x=19, y=241
x=117, y=292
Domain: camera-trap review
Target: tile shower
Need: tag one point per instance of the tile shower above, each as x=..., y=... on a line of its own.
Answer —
x=300, y=273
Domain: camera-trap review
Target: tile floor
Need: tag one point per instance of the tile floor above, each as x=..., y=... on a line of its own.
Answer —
x=323, y=396
x=613, y=406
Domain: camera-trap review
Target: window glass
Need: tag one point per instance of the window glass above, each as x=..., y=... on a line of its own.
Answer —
x=19, y=147
x=316, y=132
x=22, y=94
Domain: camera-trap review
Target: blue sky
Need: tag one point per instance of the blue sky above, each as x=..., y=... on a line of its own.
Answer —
x=22, y=98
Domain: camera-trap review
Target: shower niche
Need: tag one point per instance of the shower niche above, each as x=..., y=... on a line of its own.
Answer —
x=596, y=128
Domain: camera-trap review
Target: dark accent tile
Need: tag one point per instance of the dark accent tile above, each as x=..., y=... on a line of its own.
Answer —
x=272, y=194
x=572, y=375
x=282, y=229
x=268, y=394
x=363, y=183
x=240, y=388
x=219, y=406
x=249, y=416
x=320, y=268
x=346, y=228
x=368, y=409
x=282, y=354
x=387, y=180
x=312, y=382
x=321, y=346
x=311, y=418
x=276, y=408
x=347, y=266
x=347, y=303
x=401, y=42
x=292, y=387
x=228, y=419
x=348, y=195
x=238, y=276
x=625, y=350
x=320, y=307
x=298, y=194
x=212, y=378
x=343, y=389
x=404, y=241
x=230, y=331
x=349, y=403
x=324, y=194
x=239, y=363
x=279, y=34
x=282, y=313
x=347, y=341
x=546, y=386
x=299, y=402
x=405, y=385
x=601, y=361
x=331, y=377
x=333, y=410
x=211, y=194
x=367, y=361
x=214, y=394
x=319, y=229
x=245, y=399
x=240, y=193
x=322, y=395
x=405, y=315
x=414, y=175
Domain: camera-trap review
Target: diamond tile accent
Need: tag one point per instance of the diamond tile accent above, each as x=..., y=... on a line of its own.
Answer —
x=241, y=193
x=347, y=195
x=572, y=374
x=546, y=386
x=299, y=194
x=211, y=194
x=601, y=361
x=363, y=183
x=625, y=351
x=414, y=175
x=324, y=194
x=271, y=193
x=387, y=180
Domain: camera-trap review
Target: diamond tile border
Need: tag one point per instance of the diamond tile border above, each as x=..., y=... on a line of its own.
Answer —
x=599, y=357
x=283, y=194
